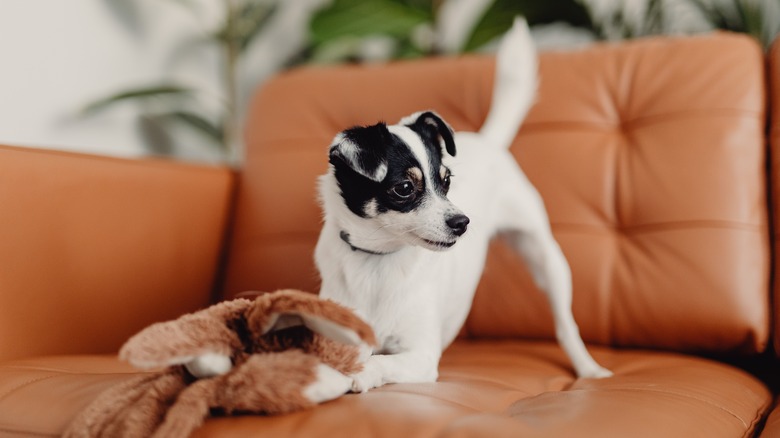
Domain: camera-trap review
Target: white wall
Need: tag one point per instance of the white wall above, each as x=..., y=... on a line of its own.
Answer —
x=58, y=55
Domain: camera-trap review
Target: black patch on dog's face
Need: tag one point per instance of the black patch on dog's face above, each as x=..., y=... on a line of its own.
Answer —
x=430, y=127
x=403, y=188
x=368, y=146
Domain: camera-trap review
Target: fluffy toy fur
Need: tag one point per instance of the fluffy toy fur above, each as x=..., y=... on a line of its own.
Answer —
x=287, y=349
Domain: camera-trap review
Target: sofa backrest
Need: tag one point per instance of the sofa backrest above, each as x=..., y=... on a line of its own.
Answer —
x=92, y=249
x=649, y=155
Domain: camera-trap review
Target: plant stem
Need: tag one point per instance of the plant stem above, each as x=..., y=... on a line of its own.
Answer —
x=231, y=47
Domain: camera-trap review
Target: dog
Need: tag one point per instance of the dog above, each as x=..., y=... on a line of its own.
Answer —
x=409, y=210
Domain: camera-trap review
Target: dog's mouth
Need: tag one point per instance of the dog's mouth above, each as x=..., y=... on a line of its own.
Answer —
x=440, y=245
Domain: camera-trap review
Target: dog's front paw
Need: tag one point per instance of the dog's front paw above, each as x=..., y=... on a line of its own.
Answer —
x=329, y=384
x=367, y=379
x=209, y=365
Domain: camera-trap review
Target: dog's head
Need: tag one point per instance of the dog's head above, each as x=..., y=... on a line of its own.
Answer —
x=397, y=177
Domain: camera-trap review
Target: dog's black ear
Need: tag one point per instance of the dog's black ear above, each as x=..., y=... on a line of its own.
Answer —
x=363, y=149
x=426, y=120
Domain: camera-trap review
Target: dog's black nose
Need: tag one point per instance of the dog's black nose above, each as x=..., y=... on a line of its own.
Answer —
x=458, y=224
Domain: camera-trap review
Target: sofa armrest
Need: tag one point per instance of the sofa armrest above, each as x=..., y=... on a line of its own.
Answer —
x=93, y=248
x=773, y=84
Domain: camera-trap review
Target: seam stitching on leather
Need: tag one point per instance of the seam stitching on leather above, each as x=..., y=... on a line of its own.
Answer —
x=57, y=370
x=26, y=383
x=141, y=162
x=761, y=415
x=441, y=400
x=661, y=117
x=663, y=226
x=680, y=394
x=535, y=127
x=25, y=432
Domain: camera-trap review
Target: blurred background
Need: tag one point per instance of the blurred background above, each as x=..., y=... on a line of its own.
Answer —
x=173, y=77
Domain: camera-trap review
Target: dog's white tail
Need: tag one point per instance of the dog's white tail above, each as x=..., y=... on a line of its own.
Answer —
x=515, y=84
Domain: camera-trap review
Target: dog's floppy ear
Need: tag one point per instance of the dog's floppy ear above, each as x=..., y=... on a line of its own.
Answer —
x=363, y=149
x=425, y=120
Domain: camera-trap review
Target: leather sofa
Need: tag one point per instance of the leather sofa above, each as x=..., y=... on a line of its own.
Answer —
x=655, y=158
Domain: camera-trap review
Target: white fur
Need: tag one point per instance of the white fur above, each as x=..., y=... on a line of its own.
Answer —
x=329, y=384
x=417, y=299
x=209, y=365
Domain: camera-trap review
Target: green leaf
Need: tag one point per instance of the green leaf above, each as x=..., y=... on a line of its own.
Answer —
x=751, y=17
x=425, y=6
x=136, y=94
x=359, y=18
x=717, y=15
x=199, y=123
x=336, y=50
x=407, y=50
x=253, y=17
x=496, y=20
x=654, y=18
x=500, y=15
x=245, y=23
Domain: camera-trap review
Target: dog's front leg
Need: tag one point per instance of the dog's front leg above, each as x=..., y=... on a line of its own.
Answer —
x=409, y=354
x=414, y=366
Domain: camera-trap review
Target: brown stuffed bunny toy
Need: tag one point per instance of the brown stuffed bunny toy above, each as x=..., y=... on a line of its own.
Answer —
x=288, y=350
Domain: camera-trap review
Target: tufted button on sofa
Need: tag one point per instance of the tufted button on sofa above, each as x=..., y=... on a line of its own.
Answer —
x=654, y=161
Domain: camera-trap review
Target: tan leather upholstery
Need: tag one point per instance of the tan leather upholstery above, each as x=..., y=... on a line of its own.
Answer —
x=93, y=249
x=773, y=84
x=486, y=389
x=649, y=156
x=772, y=425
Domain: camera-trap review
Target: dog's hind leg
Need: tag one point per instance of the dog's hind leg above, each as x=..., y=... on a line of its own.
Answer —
x=525, y=222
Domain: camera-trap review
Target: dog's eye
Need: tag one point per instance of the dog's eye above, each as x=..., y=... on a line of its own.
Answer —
x=445, y=183
x=403, y=190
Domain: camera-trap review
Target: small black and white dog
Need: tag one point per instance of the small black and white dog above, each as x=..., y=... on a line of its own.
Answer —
x=398, y=201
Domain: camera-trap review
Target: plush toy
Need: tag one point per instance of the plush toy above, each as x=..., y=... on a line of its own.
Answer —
x=289, y=350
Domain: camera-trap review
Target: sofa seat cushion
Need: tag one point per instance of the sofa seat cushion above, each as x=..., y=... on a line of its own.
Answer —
x=486, y=388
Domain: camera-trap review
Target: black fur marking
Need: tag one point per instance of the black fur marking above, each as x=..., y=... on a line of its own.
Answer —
x=377, y=145
x=430, y=126
x=369, y=141
x=356, y=189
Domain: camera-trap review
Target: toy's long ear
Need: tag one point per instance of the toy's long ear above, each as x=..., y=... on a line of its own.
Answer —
x=323, y=326
x=180, y=341
x=284, y=309
x=429, y=121
x=363, y=150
